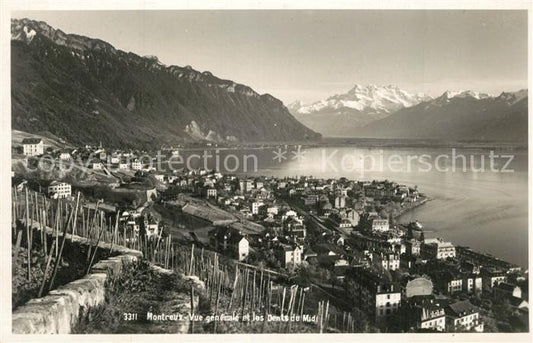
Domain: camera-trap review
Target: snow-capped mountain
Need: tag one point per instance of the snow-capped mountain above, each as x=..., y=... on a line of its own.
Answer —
x=459, y=116
x=370, y=99
x=466, y=94
x=447, y=96
x=339, y=114
x=389, y=112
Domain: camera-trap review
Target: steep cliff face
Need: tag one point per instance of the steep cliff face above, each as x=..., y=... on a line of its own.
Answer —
x=84, y=90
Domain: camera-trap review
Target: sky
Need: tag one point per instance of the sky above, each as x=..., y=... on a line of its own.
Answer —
x=310, y=55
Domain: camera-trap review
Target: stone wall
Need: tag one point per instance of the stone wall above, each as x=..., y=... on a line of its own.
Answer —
x=62, y=308
x=59, y=311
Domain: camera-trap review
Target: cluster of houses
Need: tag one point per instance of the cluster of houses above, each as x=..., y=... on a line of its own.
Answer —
x=412, y=303
x=389, y=271
x=377, y=262
x=281, y=229
x=438, y=300
x=55, y=190
x=138, y=223
x=95, y=157
x=117, y=160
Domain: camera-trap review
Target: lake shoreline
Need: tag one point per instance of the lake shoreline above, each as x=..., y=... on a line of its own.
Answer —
x=411, y=208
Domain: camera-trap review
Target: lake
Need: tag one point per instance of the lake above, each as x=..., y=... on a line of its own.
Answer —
x=484, y=208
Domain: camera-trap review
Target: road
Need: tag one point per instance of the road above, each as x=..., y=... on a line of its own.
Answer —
x=316, y=220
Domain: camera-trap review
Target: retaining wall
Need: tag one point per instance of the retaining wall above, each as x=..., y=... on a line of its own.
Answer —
x=61, y=309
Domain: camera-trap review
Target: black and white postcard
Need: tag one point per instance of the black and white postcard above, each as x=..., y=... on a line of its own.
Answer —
x=352, y=170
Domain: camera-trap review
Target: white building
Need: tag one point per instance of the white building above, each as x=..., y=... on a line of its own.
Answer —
x=211, y=193
x=115, y=159
x=387, y=303
x=97, y=165
x=340, y=202
x=455, y=285
x=32, y=146
x=290, y=213
x=390, y=261
x=437, y=248
x=353, y=217
x=242, y=248
x=463, y=315
x=429, y=315
x=492, y=278
x=274, y=210
x=290, y=256
x=230, y=240
x=152, y=228
x=59, y=190
x=64, y=156
x=246, y=185
x=473, y=284
x=438, y=322
x=136, y=165
x=373, y=294
x=345, y=223
x=381, y=225
x=256, y=206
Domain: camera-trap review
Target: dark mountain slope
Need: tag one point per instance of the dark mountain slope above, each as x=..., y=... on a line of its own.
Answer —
x=85, y=91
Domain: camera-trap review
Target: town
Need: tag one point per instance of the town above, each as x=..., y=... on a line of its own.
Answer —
x=338, y=234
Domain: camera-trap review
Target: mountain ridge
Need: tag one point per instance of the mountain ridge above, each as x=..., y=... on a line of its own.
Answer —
x=369, y=98
x=465, y=116
x=342, y=113
x=83, y=89
x=457, y=115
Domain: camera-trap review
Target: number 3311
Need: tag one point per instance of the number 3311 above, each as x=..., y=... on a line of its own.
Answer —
x=130, y=316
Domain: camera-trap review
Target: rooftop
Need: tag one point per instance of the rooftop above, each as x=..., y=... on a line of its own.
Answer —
x=462, y=308
x=31, y=140
x=506, y=286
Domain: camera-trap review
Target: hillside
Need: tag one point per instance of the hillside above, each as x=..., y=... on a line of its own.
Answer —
x=85, y=91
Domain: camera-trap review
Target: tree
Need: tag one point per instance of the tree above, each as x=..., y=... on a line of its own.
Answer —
x=384, y=214
x=325, y=274
x=333, y=279
x=502, y=311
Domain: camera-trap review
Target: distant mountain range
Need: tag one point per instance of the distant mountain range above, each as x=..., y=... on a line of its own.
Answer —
x=389, y=112
x=369, y=99
x=341, y=114
x=464, y=116
x=86, y=91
